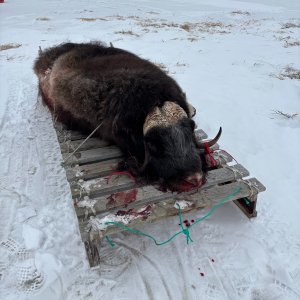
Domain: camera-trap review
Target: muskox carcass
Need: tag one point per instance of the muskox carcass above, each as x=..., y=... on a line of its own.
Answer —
x=137, y=105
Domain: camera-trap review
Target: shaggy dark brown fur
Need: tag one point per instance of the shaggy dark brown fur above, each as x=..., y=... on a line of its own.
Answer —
x=88, y=84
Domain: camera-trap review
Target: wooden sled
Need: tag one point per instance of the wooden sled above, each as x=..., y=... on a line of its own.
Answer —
x=100, y=196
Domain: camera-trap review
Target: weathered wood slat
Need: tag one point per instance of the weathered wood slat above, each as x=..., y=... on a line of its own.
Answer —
x=206, y=197
x=70, y=140
x=65, y=135
x=99, y=154
x=104, y=168
x=94, y=170
x=99, y=186
x=94, y=150
x=91, y=143
x=93, y=155
x=148, y=194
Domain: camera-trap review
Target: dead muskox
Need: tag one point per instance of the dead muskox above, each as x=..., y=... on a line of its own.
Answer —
x=140, y=108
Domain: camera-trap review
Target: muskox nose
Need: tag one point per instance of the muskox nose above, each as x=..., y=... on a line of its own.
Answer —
x=195, y=179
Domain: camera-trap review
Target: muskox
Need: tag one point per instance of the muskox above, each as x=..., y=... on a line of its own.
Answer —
x=137, y=105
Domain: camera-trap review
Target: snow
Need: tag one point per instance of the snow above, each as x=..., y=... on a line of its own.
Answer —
x=234, y=76
x=33, y=238
x=182, y=204
x=101, y=224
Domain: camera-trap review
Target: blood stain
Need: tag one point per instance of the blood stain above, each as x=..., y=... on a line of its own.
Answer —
x=144, y=213
x=121, y=198
x=212, y=260
x=202, y=274
x=123, y=212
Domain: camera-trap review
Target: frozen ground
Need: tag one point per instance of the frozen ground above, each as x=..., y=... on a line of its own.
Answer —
x=233, y=59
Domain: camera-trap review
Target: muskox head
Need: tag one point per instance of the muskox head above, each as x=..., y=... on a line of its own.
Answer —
x=171, y=150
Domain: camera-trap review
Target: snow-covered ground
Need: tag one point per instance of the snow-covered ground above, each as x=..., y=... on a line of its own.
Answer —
x=233, y=59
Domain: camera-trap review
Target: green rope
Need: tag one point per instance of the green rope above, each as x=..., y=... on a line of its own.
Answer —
x=185, y=231
x=110, y=241
x=247, y=201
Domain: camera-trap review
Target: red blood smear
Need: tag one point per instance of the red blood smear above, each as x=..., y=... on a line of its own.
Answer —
x=123, y=212
x=130, y=196
x=181, y=187
x=184, y=186
x=202, y=274
x=121, y=198
x=193, y=221
x=211, y=162
x=144, y=213
x=108, y=178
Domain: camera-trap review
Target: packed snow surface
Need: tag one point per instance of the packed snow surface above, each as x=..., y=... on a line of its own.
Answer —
x=238, y=62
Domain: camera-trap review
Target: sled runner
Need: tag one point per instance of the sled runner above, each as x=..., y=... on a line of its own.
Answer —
x=102, y=195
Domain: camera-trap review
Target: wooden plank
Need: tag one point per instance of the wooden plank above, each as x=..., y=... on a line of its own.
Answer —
x=91, y=248
x=99, y=187
x=104, y=168
x=99, y=154
x=94, y=170
x=206, y=197
x=107, y=199
x=248, y=204
x=65, y=135
x=91, y=143
x=93, y=155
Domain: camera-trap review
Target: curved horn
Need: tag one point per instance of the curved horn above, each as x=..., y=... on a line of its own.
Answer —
x=211, y=142
x=167, y=115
